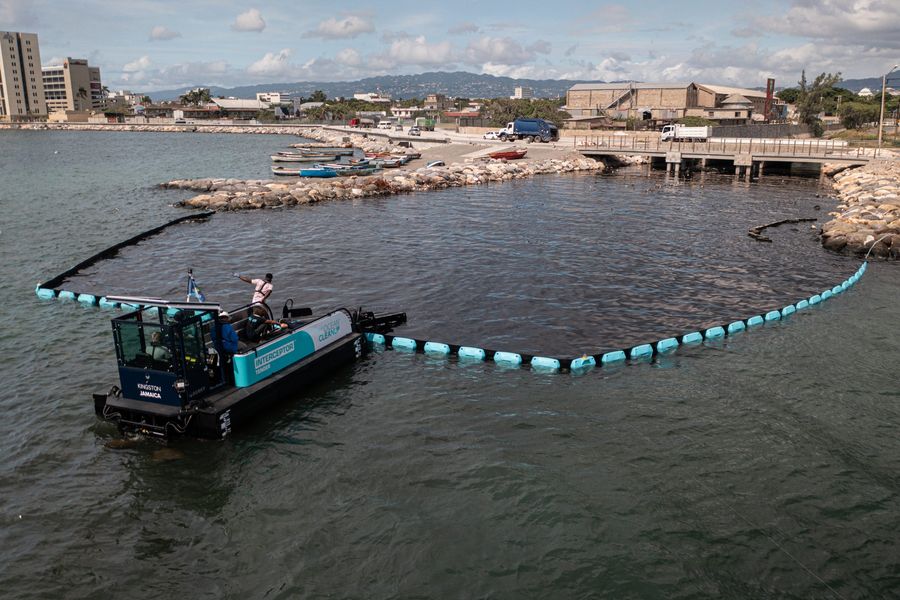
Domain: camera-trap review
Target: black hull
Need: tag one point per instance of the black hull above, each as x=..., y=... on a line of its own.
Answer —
x=223, y=412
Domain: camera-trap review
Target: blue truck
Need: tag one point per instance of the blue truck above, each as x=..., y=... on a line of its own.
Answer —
x=532, y=130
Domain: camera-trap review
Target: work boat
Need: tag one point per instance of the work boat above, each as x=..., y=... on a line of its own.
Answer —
x=173, y=382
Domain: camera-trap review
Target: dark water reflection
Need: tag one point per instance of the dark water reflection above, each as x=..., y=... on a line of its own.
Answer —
x=761, y=466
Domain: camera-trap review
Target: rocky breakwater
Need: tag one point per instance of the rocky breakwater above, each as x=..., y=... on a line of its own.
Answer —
x=868, y=217
x=236, y=194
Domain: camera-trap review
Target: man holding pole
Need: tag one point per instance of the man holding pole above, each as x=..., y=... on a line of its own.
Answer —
x=263, y=288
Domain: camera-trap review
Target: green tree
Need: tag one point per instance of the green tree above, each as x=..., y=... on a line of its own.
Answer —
x=789, y=95
x=811, y=100
x=695, y=121
x=501, y=111
x=195, y=97
x=146, y=100
x=318, y=96
x=856, y=115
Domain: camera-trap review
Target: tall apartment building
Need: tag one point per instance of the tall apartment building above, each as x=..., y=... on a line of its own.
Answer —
x=73, y=85
x=21, y=84
x=522, y=93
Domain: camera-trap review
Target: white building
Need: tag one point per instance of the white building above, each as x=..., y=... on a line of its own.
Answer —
x=73, y=85
x=522, y=93
x=406, y=112
x=274, y=97
x=865, y=93
x=371, y=97
x=239, y=109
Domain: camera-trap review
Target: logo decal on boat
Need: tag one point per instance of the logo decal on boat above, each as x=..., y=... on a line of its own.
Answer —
x=264, y=362
x=147, y=390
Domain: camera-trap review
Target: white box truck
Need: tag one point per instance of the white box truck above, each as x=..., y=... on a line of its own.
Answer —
x=683, y=133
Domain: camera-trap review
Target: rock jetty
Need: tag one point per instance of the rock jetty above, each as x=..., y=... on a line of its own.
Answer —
x=238, y=194
x=868, y=217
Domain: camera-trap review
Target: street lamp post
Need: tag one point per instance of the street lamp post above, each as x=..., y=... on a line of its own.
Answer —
x=881, y=116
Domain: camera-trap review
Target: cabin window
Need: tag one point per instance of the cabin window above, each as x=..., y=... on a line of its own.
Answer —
x=192, y=336
x=130, y=344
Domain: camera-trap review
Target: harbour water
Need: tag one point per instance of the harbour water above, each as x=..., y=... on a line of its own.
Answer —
x=762, y=466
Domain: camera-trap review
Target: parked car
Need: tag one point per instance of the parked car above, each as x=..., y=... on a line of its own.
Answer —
x=492, y=135
x=414, y=131
x=180, y=122
x=398, y=127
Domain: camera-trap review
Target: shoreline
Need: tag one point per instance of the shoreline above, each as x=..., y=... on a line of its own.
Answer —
x=461, y=169
x=867, y=220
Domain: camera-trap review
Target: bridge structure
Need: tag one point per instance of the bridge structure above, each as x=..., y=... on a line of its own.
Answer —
x=747, y=156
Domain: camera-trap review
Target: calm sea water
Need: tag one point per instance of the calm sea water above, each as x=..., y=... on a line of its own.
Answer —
x=763, y=466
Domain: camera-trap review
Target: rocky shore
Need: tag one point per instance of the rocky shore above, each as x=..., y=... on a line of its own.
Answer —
x=236, y=194
x=868, y=217
x=188, y=128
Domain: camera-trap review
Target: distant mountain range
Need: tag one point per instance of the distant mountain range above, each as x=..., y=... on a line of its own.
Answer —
x=455, y=84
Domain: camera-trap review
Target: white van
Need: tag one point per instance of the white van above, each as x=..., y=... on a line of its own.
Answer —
x=385, y=125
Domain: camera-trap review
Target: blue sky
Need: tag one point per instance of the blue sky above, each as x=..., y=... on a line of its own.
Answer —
x=147, y=45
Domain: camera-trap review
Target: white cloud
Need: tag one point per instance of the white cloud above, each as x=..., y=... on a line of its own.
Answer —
x=416, y=51
x=465, y=27
x=273, y=63
x=249, y=21
x=141, y=64
x=348, y=27
x=859, y=22
x=163, y=33
x=504, y=50
x=349, y=57
x=540, y=47
x=17, y=13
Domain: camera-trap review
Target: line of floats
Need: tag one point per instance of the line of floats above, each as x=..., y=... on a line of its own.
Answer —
x=174, y=379
x=637, y=353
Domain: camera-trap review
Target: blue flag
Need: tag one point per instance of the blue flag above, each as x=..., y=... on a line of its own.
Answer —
x=194, y=290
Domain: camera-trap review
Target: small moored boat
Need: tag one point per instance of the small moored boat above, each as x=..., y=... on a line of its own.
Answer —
x=301, y=172
x=302, y=157
x=323, y=149
x=508, y=154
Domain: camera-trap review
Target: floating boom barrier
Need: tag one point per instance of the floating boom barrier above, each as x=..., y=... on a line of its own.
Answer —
x=642, y=352
x=50, y=288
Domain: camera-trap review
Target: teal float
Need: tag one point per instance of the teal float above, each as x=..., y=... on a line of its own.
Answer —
x=470, y=352
x=510, y=358
x=436, y=348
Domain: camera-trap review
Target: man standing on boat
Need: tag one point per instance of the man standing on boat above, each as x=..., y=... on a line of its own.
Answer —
x=263, y=288
x=225, y=341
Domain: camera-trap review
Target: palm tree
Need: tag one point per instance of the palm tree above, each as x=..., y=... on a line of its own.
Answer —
x=82, y=95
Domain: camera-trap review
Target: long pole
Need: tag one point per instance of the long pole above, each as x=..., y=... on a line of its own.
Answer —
x=881, y=115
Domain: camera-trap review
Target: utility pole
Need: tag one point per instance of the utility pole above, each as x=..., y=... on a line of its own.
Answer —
x=883, y=89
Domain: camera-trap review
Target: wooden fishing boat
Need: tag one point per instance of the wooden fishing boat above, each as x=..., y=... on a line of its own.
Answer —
x=302, y=157
x=301, y=172
x=340, y=150
x=508, y=154
x=389, y=163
